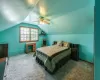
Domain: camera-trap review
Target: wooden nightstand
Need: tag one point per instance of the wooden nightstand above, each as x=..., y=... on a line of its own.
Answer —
x=75, y=52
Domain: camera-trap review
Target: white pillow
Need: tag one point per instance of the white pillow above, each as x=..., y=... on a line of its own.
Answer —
x=66, y=44
x=59, y=43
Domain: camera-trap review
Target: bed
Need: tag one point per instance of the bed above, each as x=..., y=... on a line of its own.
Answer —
x=53, y=57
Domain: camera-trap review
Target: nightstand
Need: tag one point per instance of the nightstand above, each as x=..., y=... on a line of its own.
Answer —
x=75, y=52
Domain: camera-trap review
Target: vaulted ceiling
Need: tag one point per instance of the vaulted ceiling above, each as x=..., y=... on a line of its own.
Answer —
x=66, y=16
x=13, y=12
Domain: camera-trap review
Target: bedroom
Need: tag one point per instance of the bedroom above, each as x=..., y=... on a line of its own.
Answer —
x=60, y=20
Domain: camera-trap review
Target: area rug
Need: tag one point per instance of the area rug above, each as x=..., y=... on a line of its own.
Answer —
x=24, y=67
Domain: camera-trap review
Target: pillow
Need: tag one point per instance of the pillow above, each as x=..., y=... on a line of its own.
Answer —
x=60, y=43
x=66, y=44
x=55, y=42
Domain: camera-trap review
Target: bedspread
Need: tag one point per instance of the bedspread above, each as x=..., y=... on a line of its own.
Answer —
x=50, y=55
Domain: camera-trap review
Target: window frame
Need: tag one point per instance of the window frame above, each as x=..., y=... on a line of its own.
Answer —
x=29, y=34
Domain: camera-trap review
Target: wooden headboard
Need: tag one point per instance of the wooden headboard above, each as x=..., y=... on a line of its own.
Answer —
x=71, y=44
x=74, y=45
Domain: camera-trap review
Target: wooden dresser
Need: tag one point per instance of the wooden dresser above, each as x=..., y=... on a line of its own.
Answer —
x=3, y=50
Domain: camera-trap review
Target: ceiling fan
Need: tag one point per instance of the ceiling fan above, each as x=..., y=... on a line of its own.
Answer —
x=42, y=19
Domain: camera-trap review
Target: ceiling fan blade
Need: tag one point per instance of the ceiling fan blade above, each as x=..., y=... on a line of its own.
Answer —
x=41, y=18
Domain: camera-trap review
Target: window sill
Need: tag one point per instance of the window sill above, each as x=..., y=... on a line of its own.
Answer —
x=28, y=41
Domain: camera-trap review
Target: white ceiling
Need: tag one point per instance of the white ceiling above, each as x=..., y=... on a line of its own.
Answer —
x=13, y=12
x=67, y=16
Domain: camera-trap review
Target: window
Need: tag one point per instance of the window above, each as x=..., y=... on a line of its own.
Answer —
x=28, y=34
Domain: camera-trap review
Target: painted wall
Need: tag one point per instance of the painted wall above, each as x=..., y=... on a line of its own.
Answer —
x=84, y=40
x=11, y=36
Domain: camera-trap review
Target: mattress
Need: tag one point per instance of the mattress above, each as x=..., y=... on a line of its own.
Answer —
x=50, y=55
x=51, y=50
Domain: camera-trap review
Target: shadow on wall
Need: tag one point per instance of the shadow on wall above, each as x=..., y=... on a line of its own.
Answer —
x=84, y=54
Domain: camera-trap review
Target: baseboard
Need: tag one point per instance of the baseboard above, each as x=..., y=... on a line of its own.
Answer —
x=87, y=61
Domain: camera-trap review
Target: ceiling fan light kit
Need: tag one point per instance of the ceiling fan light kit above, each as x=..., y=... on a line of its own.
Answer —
x=44, y=20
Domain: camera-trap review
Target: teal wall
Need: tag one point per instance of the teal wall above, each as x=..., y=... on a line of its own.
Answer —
x=11, y=36
x=84, y=40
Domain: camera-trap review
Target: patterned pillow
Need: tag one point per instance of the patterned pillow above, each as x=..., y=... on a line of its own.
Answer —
x=55, y=42
x=60, y=43
x=66, y=44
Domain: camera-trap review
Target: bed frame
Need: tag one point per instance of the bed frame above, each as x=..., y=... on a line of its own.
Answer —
x=60, y=63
